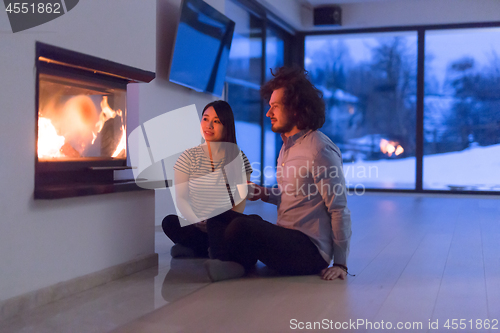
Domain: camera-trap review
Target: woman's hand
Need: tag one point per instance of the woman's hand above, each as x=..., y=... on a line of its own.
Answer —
x=202, y=225
x=331, y=273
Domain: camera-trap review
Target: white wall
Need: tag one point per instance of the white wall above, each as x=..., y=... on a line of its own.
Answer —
x=410, y=12
x=44, y=242
x=289, y=11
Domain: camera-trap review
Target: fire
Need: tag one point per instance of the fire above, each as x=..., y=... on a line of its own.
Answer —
x=49, y=143
x=106, y=113
x=69, y=130
x=399, y=150
x=390, y=147
x=75, y=122
x=121, y=145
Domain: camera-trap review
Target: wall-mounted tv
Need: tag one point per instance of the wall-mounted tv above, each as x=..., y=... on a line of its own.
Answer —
x=202, y=45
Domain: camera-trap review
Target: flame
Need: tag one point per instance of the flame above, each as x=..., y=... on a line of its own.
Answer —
x=72, y=127
x=390, y=147
x=106, y=113
x=49, y=143
x=121, y=145
x=399, y=150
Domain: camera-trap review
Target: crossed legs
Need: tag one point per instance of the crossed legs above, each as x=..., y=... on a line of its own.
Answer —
x=189, y=236
x=247, y=238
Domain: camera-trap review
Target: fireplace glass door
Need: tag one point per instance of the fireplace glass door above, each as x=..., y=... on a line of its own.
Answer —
x=80, y=120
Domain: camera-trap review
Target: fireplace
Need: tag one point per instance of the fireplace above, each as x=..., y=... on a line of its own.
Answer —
x=81, y=131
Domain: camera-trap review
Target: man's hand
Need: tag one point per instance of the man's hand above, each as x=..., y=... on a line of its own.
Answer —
x=331, y=273
x=256, y=192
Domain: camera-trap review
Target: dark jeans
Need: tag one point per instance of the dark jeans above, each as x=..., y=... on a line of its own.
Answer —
x=189, y=236
x=248, y=238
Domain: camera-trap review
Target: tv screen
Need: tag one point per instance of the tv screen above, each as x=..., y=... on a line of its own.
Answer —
x=202, y=47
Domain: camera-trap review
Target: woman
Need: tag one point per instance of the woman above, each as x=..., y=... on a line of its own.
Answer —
x=203, y=177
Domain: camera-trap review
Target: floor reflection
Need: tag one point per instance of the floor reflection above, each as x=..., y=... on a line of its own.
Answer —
x=183, y=277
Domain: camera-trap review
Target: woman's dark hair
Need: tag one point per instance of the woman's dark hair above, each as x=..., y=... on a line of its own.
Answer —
x=301, y=99
x=226, y=117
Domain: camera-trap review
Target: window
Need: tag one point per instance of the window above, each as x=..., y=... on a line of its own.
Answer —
x=276, y=42
x=243, y=81
x=462, y=110
x=412, y=109
x=257, y=44
x=369, y=85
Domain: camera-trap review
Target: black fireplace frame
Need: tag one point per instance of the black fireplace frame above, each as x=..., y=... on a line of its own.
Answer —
x=62, y=179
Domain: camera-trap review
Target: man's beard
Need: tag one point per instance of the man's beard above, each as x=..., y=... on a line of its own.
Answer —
x=284, y=128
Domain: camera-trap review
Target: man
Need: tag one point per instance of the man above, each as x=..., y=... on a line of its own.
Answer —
x=314, y=222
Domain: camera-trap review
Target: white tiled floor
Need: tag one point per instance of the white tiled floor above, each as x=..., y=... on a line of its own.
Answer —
x=416, y=259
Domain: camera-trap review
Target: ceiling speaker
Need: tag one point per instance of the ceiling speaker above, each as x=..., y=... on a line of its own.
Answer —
x=328, y=15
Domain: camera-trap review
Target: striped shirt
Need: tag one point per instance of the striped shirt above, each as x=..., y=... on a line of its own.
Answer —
x=208, y=194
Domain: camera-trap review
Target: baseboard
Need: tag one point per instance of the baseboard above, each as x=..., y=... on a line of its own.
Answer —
x=22, y=304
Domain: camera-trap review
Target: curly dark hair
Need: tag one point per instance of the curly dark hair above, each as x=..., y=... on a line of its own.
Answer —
x=301, y=98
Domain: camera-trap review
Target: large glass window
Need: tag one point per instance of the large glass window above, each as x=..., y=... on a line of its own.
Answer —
x=369, y=87
x=462, y=110
x=275, y=58
x=243, y=81
x=275, y=49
